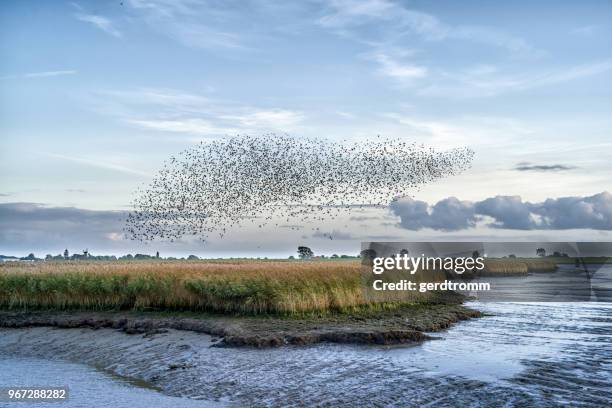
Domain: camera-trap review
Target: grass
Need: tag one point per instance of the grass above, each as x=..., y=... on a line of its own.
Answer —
x=221, y=286
x=246, y=287
x=517, y=266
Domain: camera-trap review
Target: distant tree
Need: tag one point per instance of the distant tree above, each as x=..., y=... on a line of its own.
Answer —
x=66, y=254
x=368, y=254
x=157, y=254
x=344, y=256
x=512, y=256
x=291, y=257
x=335, y=256
x=192, y=258
x=128, y=256
x=403, y=252
x=305, y=252
x=540, y=252
x=557, y=254
x=142, y=256
x=475, y=254
x=48, y=257
x=30, y=257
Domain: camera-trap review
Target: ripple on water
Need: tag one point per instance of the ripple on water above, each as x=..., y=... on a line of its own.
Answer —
x=526, y=354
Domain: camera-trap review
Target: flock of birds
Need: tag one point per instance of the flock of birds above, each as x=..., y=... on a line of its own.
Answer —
x=211, y=187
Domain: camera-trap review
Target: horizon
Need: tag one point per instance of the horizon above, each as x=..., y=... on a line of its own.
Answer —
x=98, y=95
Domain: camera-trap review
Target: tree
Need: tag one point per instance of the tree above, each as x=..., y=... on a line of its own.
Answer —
x=541, y=252
x=403, y=252
x=157, y=254
x=193, y=257
x=475, y=254
x=368, y=254
x=305, y=252
x=335, y=256
x=48, y=257
x=291, y=257
x=66, y=254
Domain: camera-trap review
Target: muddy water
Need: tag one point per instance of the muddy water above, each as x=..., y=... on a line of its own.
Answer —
x=525, y=354
x=87, y=386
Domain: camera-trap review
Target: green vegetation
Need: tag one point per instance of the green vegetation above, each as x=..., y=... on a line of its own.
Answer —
x=246, y=287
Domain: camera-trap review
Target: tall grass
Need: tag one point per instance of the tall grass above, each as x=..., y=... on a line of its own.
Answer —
x=248, y=287
x=518, y=266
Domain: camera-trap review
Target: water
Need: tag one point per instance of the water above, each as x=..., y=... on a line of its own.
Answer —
x=88, y=387
x=522, y=354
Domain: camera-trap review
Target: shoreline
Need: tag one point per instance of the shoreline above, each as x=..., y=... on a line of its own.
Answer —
x=400, y=325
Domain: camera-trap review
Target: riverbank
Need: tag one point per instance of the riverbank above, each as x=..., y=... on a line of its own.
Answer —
x=398, y=325
x=530, y=354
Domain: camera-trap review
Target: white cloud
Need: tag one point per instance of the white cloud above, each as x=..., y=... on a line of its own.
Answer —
x=397, y=70
x=586, y=31
x=194, y=24
x=42, y=74
x=175, y=111
x=99, y=22
x=189, y=125
x=103, y=164
x=395, y=18
x=474, y=83
x=281, y=119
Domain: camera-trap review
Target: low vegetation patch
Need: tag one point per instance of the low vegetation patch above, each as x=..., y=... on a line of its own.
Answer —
x=246, y=287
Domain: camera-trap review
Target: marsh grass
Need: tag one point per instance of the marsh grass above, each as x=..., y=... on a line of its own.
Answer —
x=246, y=287
x=224, y=286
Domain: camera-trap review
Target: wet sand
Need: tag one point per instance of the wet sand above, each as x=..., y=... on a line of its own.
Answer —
x=544, y=355
x=400, y=325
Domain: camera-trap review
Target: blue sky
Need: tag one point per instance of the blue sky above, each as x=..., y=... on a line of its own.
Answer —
x=96, y=95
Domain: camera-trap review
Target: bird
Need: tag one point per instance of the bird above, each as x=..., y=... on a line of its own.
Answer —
x=224, y=183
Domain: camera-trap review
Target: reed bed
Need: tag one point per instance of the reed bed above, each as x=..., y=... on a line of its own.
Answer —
x=519, y=266
x=245, y=287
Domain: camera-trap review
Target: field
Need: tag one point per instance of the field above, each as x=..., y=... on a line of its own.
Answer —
x=248, y=287
x=224, y=286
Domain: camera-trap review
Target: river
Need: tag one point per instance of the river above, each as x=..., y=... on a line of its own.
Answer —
x=520, y=354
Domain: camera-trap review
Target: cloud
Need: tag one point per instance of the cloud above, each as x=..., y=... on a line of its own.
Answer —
x=334, y=235
x=449, y=214
x=586, y=31
x=99, y=163
x=176, y=111
x=188, y=125
x=397, y=70
x=507, y=212
x=395, y=18
x=473, y=83
x=32, y=225
x=194, y=24
x=526, y=166
x=277, y=119
x=42, y=74
x=99, y=22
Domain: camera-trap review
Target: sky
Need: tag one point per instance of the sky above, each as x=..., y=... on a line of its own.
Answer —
x=96, y=95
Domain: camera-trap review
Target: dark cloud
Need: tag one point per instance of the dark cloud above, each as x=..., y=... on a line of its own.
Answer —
x=526, y=166
x=508, y=212
x=363, y=218
x=32, y=225
x=593, y=212
x=337, y=235
x=449, y=214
